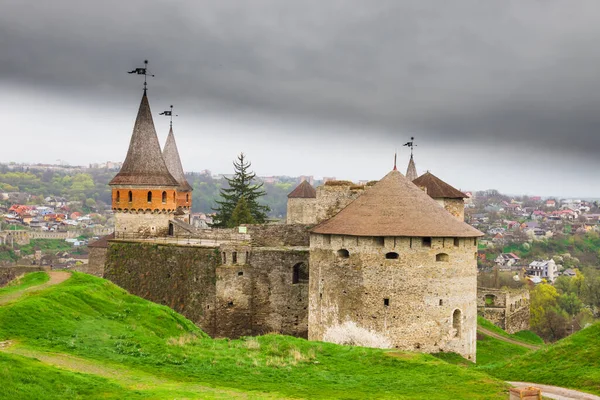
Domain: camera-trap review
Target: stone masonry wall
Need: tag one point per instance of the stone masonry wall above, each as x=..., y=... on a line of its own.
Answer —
x=181, y=277
x=144, y=223
x=278, y=235
x=97, y=260
x=506, y=308
x=455, y=207
x=301, y=211
x=227, y=295
x=410, y=300
x=332, y=199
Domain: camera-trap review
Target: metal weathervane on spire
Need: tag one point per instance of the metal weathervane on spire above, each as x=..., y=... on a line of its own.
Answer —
x=411, y=144
x=169, y=113
x=143, y=71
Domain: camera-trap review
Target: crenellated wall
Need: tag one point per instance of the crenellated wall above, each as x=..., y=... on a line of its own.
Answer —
x=410, y=301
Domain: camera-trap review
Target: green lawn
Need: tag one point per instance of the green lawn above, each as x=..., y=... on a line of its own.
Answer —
x=104, y=327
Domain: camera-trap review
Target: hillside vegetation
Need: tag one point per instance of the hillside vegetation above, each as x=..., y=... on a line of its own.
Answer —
x=572, y=362
x=124, y=344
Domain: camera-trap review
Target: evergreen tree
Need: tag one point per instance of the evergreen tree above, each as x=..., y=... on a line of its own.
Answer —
x=240, y=186
x=241, y=214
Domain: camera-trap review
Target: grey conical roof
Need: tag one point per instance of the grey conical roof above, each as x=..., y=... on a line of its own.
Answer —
x=171, y=156
x=411, y=171
x=394, y=206
x=144, y=164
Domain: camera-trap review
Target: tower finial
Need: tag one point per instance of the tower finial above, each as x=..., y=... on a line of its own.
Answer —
x=395, y=157
x=411, y=144
x=143, y=71
x=169, y=113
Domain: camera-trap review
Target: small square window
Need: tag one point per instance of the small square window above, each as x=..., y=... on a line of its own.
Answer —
x=386, y=302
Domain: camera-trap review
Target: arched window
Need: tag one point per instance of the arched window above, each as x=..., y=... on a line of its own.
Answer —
x=118, y=196
x=164, y=197
x=442, y=257
x=234, y=257
x=149, y=197
x=130, y=196
x=457, y=322
x=187, y=198
x=391, y=256
x=300, y=273
x=343, y=253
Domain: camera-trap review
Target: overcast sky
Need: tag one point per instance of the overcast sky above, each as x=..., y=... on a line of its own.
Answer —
x=499, y=94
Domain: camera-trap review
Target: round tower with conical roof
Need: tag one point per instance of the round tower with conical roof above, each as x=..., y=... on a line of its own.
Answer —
x=394, y=269
x=144, y=193
x=184, y=190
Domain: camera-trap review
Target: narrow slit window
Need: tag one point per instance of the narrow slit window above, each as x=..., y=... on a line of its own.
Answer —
x=386, y=302
x=130, y=196
x=118, y=196
x=234, y=257
x=456, y=242
x=149, y=197
x=164, y=197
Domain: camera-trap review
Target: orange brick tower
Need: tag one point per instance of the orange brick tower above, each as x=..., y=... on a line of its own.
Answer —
x=173, y=162
x=144, y=193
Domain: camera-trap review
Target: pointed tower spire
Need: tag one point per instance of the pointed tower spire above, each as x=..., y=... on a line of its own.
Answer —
x=411, y=171
x=171, y=156
x=144, y=164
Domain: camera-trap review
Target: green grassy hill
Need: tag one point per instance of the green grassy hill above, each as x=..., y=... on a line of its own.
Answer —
x=572, y=362
x=87, y=338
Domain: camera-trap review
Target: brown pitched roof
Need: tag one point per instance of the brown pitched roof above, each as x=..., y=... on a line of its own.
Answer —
x=303, y=191
x=437, y=188
x=395, y=207
x=171, y=156
x=144, y=164
x=102, y=243
x=411, y=171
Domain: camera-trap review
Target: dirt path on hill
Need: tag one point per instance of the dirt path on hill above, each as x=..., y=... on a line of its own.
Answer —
x=56, y=277
x=132, y=378
x=493, y=334
x=557, y=393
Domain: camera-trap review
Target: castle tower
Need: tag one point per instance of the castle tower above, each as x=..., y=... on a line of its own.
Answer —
x=301, y=204
x=173, y=162
x=399, y=267
x=144, y=193
x=411, y=171
x=447, y=196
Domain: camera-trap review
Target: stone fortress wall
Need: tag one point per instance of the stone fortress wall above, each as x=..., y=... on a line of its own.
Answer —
x=506, y=308
x=230, y=289
x=423, y=300
x=301, y=211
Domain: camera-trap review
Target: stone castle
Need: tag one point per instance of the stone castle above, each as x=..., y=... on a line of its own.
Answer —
x=392, y=258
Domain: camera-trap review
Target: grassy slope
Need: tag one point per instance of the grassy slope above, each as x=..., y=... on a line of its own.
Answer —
x=91, y=318
x=523, y=336
x=573, y=362
x=31, y=279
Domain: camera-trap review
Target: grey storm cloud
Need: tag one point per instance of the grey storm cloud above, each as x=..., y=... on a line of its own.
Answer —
x=473, y=71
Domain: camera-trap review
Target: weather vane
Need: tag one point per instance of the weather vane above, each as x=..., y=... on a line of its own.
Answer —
x=143, y=71
x=169, y=113
x=411, y=144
